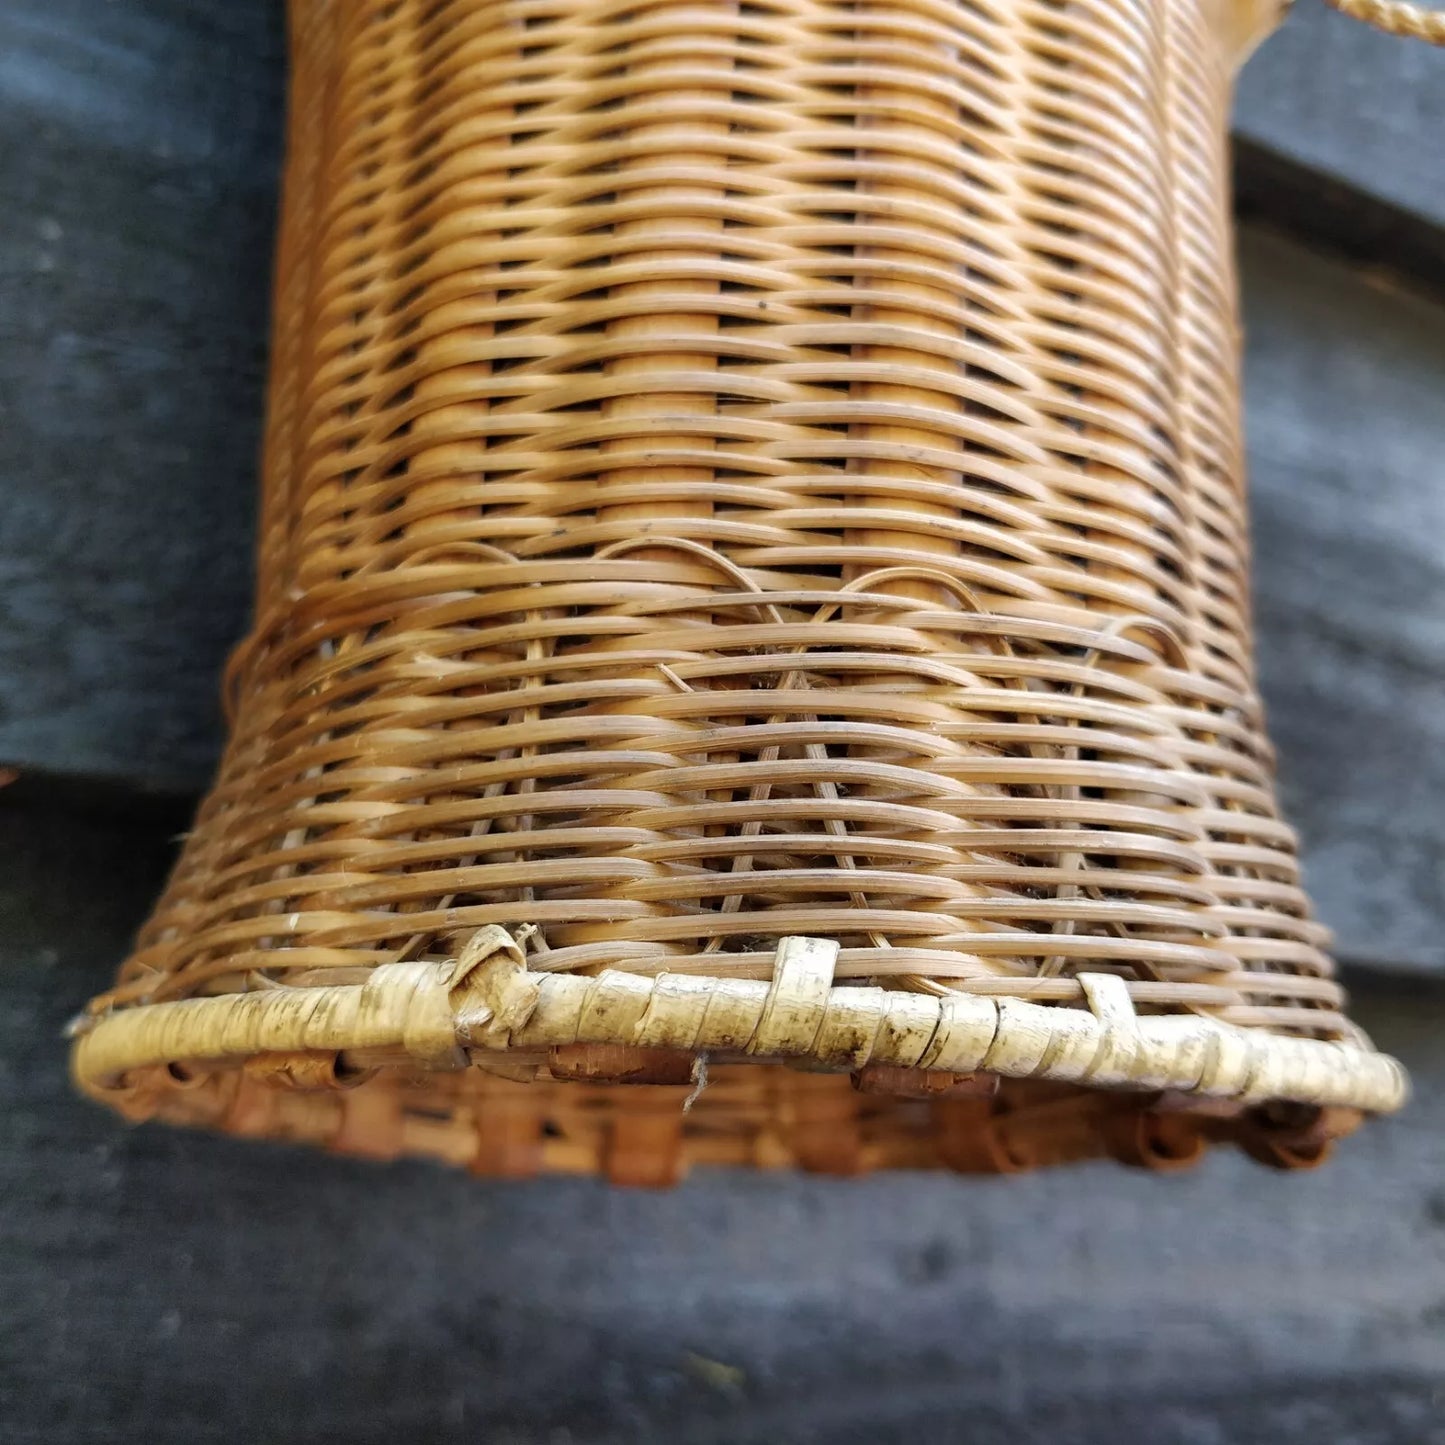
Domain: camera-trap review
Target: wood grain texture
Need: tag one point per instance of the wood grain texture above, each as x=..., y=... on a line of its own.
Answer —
x=1343, y=383
x=1351, y=106
x=131, y=344
x=137, y=1268
x=141, y=141
x=165, y=1287
x=138, y=148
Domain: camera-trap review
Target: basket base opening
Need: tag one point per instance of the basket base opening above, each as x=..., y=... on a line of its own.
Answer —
x=757, y=1116
x=486, y=1064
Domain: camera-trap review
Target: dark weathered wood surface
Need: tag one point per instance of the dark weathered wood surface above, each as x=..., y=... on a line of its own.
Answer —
x=138, y=150
x=1361, y=109
x=1344, y=380
x=179, y=1289
x=158, y=1287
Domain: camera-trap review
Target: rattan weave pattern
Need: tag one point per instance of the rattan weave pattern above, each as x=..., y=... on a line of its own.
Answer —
x=746, y=470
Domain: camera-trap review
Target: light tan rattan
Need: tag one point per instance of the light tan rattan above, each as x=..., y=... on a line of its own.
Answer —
x=1396, y=18
x=753, y=566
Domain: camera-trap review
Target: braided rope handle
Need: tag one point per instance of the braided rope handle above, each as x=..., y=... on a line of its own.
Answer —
x=1396, y=18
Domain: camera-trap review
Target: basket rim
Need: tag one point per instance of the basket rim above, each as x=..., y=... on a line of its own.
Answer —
x=446, y=1014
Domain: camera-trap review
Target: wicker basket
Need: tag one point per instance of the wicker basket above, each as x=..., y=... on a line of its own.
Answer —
x=752, y=604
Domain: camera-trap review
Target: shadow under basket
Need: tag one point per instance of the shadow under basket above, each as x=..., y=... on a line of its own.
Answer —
x=752, y=660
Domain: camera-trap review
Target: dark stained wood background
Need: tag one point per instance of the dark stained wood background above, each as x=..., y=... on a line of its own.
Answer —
x=159, y=1287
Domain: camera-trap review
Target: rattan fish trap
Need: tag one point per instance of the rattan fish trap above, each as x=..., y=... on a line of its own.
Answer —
x=752, y=660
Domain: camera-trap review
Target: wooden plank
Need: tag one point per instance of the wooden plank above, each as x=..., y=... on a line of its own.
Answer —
x=1344, y=376
x=1325, y=213
x=137, y=173
x=138, y=148
x=1350, y=107
x=187, y=1290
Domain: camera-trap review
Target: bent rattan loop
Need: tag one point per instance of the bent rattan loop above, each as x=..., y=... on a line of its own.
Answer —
x=753, y=567
x=1413, y=22
x=488, y=1000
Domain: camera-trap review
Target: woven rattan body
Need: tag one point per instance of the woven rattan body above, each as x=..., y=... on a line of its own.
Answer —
x=752, y=567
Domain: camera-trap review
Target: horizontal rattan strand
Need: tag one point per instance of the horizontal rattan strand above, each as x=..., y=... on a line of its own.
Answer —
x=488, y=1000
